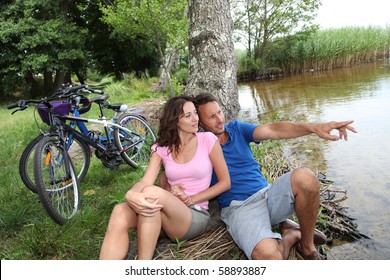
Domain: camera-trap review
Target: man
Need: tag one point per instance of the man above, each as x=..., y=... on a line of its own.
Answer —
x=251, y=207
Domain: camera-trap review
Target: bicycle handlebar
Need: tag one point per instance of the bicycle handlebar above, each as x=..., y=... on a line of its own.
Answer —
x=22, y=104
x=63, y=93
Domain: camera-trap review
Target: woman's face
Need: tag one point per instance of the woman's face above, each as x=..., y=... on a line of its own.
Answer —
x=188, y=122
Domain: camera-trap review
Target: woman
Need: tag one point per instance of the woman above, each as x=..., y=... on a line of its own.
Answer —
x=180, y=209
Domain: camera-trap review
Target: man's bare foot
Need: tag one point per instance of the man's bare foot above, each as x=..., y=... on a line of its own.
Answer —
x=290, y=237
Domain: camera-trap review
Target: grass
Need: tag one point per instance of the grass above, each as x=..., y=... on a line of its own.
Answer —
x=26, y=231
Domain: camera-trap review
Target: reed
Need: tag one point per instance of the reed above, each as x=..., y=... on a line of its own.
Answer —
x=330, y=48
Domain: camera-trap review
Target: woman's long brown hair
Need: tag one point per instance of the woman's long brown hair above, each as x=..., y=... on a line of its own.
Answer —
x=168, y=132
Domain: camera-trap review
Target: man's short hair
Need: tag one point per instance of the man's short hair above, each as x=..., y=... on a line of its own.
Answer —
x=204, y=98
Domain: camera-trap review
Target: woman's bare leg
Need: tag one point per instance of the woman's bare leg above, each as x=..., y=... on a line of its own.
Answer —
x=116, y=241
x=174, y=218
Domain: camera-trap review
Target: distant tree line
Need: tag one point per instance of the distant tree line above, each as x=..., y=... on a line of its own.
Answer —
x=44, y=42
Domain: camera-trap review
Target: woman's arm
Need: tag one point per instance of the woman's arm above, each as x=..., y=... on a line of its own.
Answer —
x=141, y=203
x=222, y=172
x=150, y=174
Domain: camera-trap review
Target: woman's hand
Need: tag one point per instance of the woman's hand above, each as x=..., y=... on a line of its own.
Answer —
x=178, y=191
x=143, y=204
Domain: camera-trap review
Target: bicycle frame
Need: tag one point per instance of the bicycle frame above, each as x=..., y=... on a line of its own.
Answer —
x=98, y=143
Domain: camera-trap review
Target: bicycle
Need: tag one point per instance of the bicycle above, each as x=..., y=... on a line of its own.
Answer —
x=54, y=173
x=79, y=151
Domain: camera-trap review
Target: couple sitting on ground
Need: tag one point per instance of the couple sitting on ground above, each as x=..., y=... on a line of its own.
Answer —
x=219, y=163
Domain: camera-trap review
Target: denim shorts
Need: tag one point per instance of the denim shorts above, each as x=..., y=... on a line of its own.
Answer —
x=251, y=220
x=199, y=223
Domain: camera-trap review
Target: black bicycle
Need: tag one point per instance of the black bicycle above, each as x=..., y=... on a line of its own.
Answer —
x=79, y=151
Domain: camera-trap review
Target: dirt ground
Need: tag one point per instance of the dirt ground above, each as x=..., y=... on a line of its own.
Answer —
x=152, y=109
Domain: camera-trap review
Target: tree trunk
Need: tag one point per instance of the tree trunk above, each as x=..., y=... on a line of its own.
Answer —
x=165, y=75
x=212, y=63
x=59, y=79
x=47, y=81
x=32, y=83
x=263, y=51
x=80, y=77
x=118, y=75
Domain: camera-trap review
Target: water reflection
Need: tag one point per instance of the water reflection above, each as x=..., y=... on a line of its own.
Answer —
x=313, y=90
x=360, y=165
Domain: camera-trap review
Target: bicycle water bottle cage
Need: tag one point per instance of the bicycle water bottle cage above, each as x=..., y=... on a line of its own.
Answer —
x=95, y=134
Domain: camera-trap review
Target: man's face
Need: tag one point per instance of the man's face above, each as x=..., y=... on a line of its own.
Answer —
x=212, y=118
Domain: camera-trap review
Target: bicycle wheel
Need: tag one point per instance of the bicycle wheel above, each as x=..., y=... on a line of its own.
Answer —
x=79, y=152
x=26, y=164
x=137, y=143
x=56, y=183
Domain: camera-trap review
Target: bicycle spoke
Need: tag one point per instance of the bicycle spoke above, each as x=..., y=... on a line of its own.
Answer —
x=57, y=185
x=135, y=145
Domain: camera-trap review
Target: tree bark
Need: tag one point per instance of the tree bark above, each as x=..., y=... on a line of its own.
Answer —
x=32, y=83
x=59, y=78
x=212, y=62
x=165, y=74
x=47, y=81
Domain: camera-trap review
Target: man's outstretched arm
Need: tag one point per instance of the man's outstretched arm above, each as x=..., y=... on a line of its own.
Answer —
x=289, y=130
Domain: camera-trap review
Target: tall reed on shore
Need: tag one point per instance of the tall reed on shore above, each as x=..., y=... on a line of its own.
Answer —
x=329, y=49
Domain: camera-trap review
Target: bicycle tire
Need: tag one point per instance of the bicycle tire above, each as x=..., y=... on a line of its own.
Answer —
x=26, y=164
x=79, y=151
x=137, y=143
x=58, y=190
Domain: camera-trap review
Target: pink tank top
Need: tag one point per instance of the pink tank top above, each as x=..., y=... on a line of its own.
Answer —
x=195, y=175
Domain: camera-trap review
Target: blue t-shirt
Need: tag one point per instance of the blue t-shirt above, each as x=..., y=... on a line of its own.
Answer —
x=245, y=175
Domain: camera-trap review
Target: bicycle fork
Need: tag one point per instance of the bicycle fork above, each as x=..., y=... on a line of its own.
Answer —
x=56, y=155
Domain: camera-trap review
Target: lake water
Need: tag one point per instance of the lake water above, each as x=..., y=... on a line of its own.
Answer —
x=361, y=166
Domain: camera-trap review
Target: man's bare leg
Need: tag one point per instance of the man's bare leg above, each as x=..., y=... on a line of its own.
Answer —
x=273, y=249
x=306, y=189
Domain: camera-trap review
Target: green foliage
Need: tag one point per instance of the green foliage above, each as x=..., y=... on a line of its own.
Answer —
x=158, y=20
x=129, y=89
x=260, y=22
x=246, y=65
x=163, y=22
x=114, y=52
x=178, y=88
x=36, y=37
x=46, y=38
x=181, y=75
